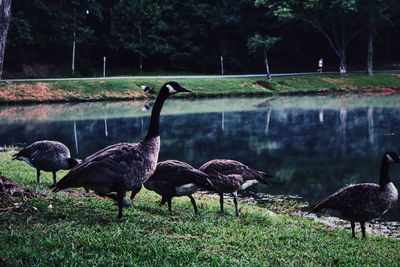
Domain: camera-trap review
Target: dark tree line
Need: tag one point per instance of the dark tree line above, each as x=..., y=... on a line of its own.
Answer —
x=190, y=36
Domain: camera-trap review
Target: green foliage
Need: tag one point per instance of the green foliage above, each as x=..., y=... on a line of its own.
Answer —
x=186, y=35
x=134, y=26
x=258, y=41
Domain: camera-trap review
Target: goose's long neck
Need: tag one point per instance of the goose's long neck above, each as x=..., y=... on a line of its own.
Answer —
x=384, y=174
x=154, y=126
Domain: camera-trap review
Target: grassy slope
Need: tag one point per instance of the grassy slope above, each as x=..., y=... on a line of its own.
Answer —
x=122, y=89
x=82, y=230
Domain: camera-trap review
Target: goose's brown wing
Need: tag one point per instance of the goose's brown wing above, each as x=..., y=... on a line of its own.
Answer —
x=101, y=151
x=44, y=146
x=224, y=166
x=44, y=154
x=177, y=173
x=225, y=183
x=228, y=166
x=119, y=167
x=353, y=199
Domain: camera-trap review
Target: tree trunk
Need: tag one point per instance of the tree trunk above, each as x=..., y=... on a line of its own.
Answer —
x=140, y=43
x=266, y=63
x=370, y=56
x=5, y=13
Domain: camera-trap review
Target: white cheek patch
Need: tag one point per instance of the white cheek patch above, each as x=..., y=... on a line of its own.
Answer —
x=171, y=89
x=389, y=158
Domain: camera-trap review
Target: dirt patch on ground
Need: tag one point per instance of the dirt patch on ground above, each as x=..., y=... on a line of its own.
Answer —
x=371, y=89
x=130, y=95
x=34, y=92
x=264, y=84
x=13, y=197
x=43, y=92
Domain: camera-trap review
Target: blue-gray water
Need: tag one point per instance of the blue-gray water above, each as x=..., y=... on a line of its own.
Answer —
x=314, y=145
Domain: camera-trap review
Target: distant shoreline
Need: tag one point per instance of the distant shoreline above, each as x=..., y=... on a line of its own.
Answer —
x=130, y=89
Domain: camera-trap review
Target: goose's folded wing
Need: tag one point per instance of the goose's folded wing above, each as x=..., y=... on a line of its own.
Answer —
x=358, y=196
x=223, y=166
x=225, y=183
x=116, y=165
x=173, y=173
x=29, y=150
x=94, y=155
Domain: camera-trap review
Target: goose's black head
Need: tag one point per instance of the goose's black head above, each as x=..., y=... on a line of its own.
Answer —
x=72, y=162
x=171, y=88
x=392, y=157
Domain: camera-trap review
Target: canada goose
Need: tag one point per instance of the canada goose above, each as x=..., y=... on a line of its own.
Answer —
x=147, y=89
x=235, y=176
x=147, y=106
x=123, y=166
x=174, y=178
x=366, y=201
x=48, y=156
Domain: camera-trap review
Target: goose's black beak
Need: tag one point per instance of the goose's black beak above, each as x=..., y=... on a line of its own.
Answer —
x=184, y=89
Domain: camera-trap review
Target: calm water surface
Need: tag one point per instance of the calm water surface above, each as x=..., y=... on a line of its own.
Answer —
x=313, y=144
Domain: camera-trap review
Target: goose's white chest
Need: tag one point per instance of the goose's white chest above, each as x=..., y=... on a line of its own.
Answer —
x=247, y=184
x=186, y=189
x=390, y=193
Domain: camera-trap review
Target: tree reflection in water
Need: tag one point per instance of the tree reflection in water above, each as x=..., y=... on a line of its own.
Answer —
x=314, y=146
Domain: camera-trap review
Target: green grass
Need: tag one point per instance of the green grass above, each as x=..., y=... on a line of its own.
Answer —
x=128, y=88
x=83, y=230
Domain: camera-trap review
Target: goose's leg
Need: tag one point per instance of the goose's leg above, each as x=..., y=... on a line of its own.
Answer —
x=163, y=200
x=109, y=195
x=362, y=224
x=54, y=179
x=235, y=201
x=221, y=203
x=193, y=203
x=120, y=200
x=38, y=175
x=114, y=197
x=170, y=206
x=135, y=191
x=353, y=225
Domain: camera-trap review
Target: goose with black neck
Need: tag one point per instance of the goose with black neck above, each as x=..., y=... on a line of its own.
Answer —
x=122, y=167
x=366, y=201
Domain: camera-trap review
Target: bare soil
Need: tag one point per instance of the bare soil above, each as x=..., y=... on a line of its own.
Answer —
x=34, y=91
x=264, y=84
x=43, y=92
x=13, y=197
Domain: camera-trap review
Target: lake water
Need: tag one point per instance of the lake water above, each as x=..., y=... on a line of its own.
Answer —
x=313, y=144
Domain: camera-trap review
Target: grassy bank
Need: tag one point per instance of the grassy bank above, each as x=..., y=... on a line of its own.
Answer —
x=86, y=90
x=79, y=229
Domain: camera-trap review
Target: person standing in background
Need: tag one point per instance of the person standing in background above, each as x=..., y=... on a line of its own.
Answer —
x=320, y=65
